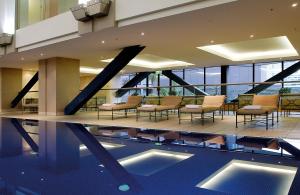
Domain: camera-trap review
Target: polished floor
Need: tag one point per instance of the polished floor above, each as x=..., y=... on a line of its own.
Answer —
x=288, y=127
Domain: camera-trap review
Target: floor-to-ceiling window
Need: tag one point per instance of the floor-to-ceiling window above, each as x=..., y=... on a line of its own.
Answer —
x=264, y=71
x=178, y=90
x=194, y=76
x=239, y=74
x=213, y=77
x=295, y=87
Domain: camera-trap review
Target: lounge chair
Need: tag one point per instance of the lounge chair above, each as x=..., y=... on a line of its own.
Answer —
x=167, y=103
x=210, y=105
x=132, y=103
x=262, y=105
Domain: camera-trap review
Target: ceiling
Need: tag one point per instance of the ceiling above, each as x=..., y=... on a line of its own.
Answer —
x=177, y=37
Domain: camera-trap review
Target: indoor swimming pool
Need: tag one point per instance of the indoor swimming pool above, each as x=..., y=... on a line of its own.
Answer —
x=46, y=157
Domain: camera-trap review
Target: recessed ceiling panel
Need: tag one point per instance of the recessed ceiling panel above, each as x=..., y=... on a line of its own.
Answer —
x=259, y=49
x=154, y=62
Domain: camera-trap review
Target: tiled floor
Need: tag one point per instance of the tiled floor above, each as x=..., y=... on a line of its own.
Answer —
x=288, y=127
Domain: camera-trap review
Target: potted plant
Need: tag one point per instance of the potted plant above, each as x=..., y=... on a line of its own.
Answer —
x=285, y=90
x=172, y=93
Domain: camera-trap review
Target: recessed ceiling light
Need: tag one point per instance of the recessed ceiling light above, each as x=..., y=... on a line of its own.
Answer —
x=102, y=41
x=142, y=33
x=22, y=58
x=259, y=49
x=212, y=41
x=294, y=4
x=41, y=54
x=154, y=62
x=90, y=70
x=251, y=36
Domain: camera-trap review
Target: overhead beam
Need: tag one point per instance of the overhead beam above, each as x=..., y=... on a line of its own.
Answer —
x=278, y=77
x=25, y=90
x=180, y=81
x=133, y=82
x=111, y=70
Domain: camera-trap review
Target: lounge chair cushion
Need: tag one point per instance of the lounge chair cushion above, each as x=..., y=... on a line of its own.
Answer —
x=214, y=101
x=262, y=110
x=266, y=100
x=132, y=103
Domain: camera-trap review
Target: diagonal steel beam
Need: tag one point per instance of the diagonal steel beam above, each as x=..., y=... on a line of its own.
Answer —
x=111, y=70
x=180, y=81
x=25, y=90
x=104, y=157
x=133, y=82
x=278, y=77
x=24, y=134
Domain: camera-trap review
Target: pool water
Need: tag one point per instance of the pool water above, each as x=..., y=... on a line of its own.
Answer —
x=40, y=157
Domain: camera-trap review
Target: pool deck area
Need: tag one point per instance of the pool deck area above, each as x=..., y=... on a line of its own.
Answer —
x=288, y=127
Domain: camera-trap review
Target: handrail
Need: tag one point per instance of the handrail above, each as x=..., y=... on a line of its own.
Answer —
x=199, y=85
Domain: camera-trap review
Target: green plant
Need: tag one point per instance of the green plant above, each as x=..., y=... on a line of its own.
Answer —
x=135, y=94
x=285, y=90
x=172, y=92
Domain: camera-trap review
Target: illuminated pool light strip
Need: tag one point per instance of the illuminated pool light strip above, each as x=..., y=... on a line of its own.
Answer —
x=105, y=145
x=225, y=171
x=150, y=153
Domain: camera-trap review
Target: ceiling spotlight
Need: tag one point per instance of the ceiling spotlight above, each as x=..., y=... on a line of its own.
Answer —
x=41, y=54
x=103, y=42
x=22, y=58
x=212, y=41
x=294, y=4
x=142, y=33
x=251, y=36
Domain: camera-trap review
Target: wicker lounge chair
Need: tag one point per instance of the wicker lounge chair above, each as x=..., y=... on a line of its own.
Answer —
x=210, y=105
x=262, y=105
x=167, y=103
x=132, y=103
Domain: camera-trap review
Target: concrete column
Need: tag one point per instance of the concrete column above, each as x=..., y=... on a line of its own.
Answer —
x=59, y=82
x=10, y=86
x=58, y=147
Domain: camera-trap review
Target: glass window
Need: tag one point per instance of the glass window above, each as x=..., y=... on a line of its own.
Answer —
x=194, y=77
x=164, y=83
x=153, y=78
x=213, y=76
x=32, y=11
x=239, y=74
x=264, y=71
x=179, y=90
x=294, y=77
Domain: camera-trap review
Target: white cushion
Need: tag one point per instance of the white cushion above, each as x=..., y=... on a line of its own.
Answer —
x=108, y=104
x=252, y=107
x=192, y=106
x=148, y=106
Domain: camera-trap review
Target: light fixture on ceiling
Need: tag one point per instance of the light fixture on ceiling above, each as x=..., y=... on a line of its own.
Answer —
x=42, y=54
x=5, y=39
x=142, y=34
x=87, y=10
x=212, y=41
x=259, y=49
x=22, y=58
x=154, y=64
x=103, y=41
x=294, y=4
x=90, y=70
x=251, y=36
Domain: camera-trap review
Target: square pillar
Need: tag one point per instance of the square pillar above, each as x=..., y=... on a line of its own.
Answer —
x=59, y=82
x=10, y=86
